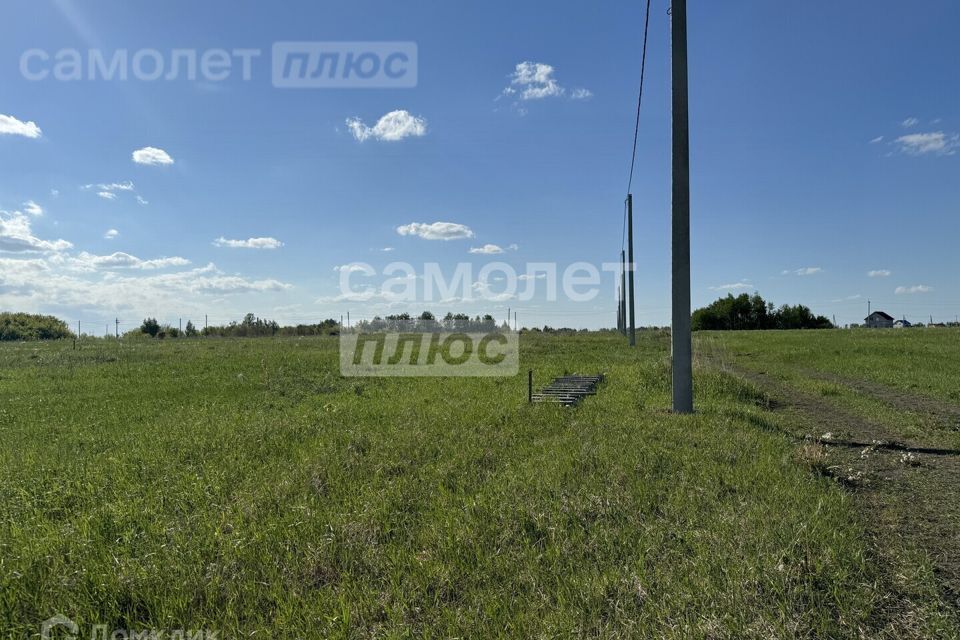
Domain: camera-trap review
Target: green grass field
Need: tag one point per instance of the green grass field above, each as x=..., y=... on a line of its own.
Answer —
x=243, y=486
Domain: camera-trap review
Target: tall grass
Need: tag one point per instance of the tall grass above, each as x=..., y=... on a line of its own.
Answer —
x=244, y=486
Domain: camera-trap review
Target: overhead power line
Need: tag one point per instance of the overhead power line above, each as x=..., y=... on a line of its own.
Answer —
x=643, y=68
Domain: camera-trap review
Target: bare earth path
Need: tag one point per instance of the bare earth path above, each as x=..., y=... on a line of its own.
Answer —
x=908, y=490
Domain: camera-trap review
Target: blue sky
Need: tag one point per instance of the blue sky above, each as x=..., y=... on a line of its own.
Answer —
x=822, y=149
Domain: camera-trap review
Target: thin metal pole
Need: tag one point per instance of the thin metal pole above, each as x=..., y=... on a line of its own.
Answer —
x=681, y=338
x=630, y=266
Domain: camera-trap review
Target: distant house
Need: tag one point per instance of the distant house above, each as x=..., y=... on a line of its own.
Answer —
x=878, y=320
x=902, y=324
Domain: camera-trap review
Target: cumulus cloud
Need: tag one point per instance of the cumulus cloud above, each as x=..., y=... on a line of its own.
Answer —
x=55, y=282
x=16, y=235
x=250, y=243
x=917, y=288
x=436, y=230
x=111, y=234
x=803, y=271
x=32, y=208
x=880, y=273
x=392, y=127
x=732, y=287
x=133, y=288
x=910, y=122
x=934, y=143
x=12, y=127
x=487, y=249
x=120, y=260
x=537, y=81
x=152, y=156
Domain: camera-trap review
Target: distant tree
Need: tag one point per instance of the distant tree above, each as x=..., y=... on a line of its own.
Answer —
x=190, y=330
x=150, y=327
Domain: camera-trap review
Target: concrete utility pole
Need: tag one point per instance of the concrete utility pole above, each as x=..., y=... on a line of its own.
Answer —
x=118, y=327
x=623, y=292
x=619, y=308
x=633, y=295
x=681, y=338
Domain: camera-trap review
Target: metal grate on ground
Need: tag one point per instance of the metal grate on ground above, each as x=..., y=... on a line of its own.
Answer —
x=568, y=390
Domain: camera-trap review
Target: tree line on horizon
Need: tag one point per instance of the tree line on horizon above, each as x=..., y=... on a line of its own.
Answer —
x=753, y=313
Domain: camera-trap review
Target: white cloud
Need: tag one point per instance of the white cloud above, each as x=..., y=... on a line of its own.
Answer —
x=392, y=127
x=917, y=288
x=32, y=208
x=804, y=271
x=732, y=287
x=876, y=140
x=352, y=268
x=250, y=243
x=910, y=122
x=152, y=156
x=387, y=249
x=16, y=235
x=111, y=234
x=110, y=186
x=514, y=247
x=483, y=288
x=936, y=143
x=487, y=249
x=111, y=190
x=537, y=81
x=534, y=81
x=13, y=127
x=880, y=273
x=436, y=230
x=63, y=284
x=532, y=276
x=119, y=260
